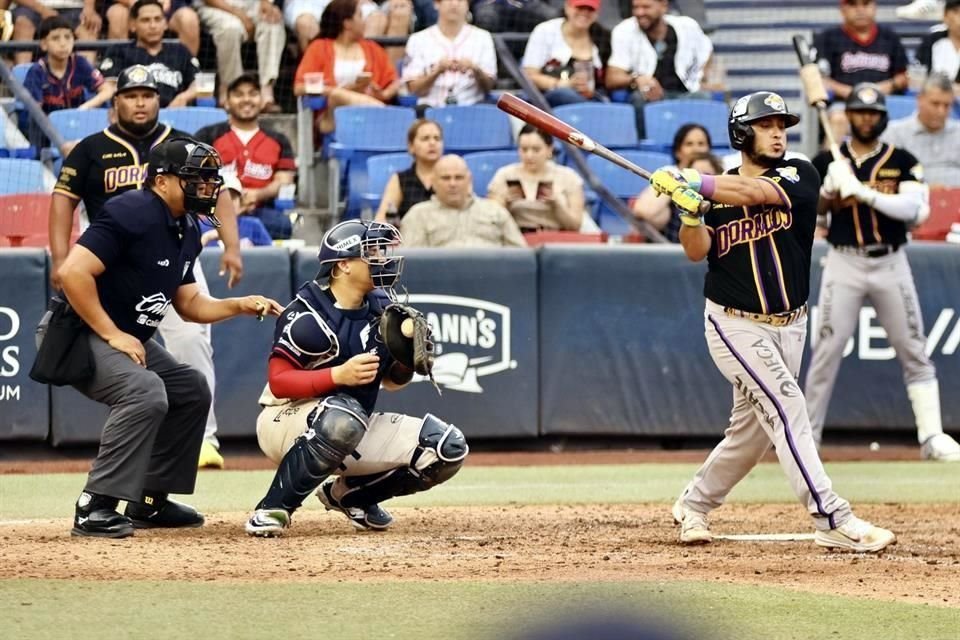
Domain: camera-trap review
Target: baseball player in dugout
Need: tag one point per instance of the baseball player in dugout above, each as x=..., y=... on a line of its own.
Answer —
x=757, y=239
x=133, y=262
x=341, y=338
x=113, y=161
x=870, y=199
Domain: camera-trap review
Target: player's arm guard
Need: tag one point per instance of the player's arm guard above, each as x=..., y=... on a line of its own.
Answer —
x=415, y=352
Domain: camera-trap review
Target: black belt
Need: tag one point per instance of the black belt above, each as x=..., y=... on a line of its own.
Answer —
x=868, y=251
x=773, y=319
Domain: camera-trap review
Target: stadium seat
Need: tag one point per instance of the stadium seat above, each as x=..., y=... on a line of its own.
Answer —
x=484, y=164
x=23, y=215
x=662, y=119
x=901, y=106
x=74, y=124
x=20, y=73
x=623, y=184
x=944, y=212
x=21, y=176
x=612, y=125
x=192, y=119
x=479, y=127
x=379, y=170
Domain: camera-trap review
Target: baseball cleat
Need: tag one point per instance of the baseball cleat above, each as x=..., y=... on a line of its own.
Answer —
x=268, y=523
x=856, y=535
x=921, y=10
x=693, y=525
x=169, y=515
x=941, y=448
x=372, y=518
x=101, y=523
x=210, y=457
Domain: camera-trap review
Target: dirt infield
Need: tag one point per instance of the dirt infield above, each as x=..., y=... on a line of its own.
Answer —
x=576, y=543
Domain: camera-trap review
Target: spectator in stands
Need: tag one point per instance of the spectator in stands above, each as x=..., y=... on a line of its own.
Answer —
x=511, y=15
x=690, y=143
x=181, y=19
x=455, y=217
x=233, y=22
x=302, y=17
x=262, y=159
x=81, y=15
x=539, y=193
x=61, y=79
x=251, y=230
x=930, y=134
x=940, y=50
x=657, y=57
x=356, y=72
x=392, y=18
x=414, y=185
x=451, y=62
x=172, y=65
x=565, y=56
x=857, y=51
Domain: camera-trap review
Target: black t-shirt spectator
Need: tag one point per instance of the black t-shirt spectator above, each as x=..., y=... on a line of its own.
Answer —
x=174, y=67
x=938, y=55
x=849, y=61
x=666, y=73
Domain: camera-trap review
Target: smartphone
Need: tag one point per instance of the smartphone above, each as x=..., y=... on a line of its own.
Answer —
x=544, y=190
x=364, y=77
x=515, y=189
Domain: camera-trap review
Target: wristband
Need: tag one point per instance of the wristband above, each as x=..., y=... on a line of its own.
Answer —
x=708, y=185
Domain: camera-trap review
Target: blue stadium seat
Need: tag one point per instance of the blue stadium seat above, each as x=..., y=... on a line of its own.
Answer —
x=623, y=184
x=191, y=119
x=662, y=119
x=612, y=125
x=901, y=106
x=74, y=124
x=20, y=176
x=20, y=73
x=379, y=170
x=484, y=164
x=479, y=127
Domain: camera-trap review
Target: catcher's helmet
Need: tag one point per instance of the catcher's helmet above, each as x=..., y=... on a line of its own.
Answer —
x=373, y=242
x=751, y=108
x=136, y=77
x=866, y=96
x=196, y=164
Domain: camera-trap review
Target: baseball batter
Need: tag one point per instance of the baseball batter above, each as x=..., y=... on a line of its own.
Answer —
x=757, y=240
x=325, y=371
x=872, y=198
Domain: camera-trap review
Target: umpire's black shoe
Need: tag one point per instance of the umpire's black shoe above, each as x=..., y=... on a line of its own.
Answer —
x=96, y=517
x=163, y=513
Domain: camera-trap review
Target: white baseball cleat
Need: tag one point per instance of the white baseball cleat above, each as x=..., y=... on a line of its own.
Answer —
x=693, y=524
x=941, y=448
x=921, y=10
x=268, y=523
x=856, y=535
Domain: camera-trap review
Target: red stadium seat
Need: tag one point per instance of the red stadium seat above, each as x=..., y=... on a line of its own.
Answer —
x=24, y=215
x=538, y=238
x=944, y=211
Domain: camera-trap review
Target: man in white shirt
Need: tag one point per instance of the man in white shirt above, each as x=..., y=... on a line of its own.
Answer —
x=657, y=56
x=940, y=50
x=451, y=62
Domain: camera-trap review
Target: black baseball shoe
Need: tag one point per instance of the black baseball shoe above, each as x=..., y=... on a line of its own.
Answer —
x=372, y=517
x=96, y=516
x=157, y=512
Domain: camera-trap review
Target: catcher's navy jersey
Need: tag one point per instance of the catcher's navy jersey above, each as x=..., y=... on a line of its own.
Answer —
x=759, y=259
x=312, y=333
x=855, y=224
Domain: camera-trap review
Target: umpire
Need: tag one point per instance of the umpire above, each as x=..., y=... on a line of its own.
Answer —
x=132, y=263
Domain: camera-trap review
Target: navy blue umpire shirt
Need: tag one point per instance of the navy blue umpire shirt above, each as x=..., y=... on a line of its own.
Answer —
x=147, y=256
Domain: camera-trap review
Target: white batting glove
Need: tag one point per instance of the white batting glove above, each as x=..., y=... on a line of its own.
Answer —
x=850, y=187
x=839, y=170
x=828, y=189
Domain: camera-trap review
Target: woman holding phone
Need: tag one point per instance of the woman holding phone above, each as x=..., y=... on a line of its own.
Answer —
x=355, y=71
x=407, y=188
x=539, y=193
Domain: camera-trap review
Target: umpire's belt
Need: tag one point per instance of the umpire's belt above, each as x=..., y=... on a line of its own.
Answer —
x=773, y=319
x=868, y=251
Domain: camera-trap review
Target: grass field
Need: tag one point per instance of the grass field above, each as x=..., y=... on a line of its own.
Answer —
x=346, y=605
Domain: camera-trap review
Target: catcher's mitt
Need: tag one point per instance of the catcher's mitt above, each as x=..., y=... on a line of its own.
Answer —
x=414, y=351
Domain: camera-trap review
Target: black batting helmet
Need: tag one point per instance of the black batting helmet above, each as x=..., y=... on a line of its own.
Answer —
x=751, y=108
x=373, y=242
x=867, y=96
x=196, y=164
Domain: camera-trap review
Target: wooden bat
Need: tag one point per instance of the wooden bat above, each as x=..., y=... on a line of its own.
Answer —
x=565, y=132
x=814, y=89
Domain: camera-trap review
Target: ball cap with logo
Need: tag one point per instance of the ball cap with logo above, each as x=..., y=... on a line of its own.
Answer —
x=136, y=77
x=196, y=164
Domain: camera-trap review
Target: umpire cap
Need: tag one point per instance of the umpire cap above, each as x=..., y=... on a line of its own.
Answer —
x=136, y=77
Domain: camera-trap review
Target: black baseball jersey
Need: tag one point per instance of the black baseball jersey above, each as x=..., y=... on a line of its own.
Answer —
x=850, y=61
x=174, y=66
x=313, y=333
x=938, y=55
x=855, y=224
x=759, y=260
x=106, y=164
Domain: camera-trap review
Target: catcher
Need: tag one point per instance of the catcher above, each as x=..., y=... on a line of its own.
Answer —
x=342, y=337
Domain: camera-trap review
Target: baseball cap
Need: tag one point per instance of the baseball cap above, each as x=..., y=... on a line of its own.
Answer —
x=244, y=78
x=136, y=77
x=586, y=4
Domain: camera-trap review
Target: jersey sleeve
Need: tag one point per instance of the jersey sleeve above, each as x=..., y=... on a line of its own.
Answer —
x=800, y=183
x=899, y=61
x=302, y=337
x=537, y=52
x=911, y=170
x=73, y=173
x=114, y=61
x=188, y=68
x=287, y=161
x=925, y=52
x=91, y=77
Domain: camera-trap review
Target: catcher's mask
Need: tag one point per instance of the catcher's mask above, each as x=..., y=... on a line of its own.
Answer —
x=751, y=108
x=197, y=165
x=372, y=242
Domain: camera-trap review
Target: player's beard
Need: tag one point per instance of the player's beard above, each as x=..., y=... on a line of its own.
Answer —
x=765, y=161
x=138, y=130
x=867, y=139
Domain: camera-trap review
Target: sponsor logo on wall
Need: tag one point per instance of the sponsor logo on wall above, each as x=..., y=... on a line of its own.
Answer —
x=869, y=338
x=9, y=353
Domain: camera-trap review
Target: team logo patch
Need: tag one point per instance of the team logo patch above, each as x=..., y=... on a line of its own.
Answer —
x=869, y=95
x=138, y=74
x=775, y=102
x=789, y=174
x=740, y=107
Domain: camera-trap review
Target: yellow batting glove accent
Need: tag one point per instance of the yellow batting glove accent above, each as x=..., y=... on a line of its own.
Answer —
x=666, y=182
x=687, y=200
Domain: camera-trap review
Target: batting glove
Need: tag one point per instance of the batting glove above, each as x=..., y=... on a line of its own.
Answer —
x=666, y=180
x=693, y=178
x=687, y=201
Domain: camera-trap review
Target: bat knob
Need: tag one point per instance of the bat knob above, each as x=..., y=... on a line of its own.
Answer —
x=704, y=207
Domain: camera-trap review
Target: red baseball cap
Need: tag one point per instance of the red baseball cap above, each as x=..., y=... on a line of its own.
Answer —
x=586, y=4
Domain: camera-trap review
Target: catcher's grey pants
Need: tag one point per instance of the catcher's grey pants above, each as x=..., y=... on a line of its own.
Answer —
x=152, y=437
x=191, y=344
x=888, y=283
x=762, y=363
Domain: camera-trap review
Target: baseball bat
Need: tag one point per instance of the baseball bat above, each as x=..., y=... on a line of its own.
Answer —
x=814, y=90
x=563, y=131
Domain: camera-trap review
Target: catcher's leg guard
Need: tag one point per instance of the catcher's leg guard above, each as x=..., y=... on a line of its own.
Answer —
x=437, y=458
x=336, y=427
